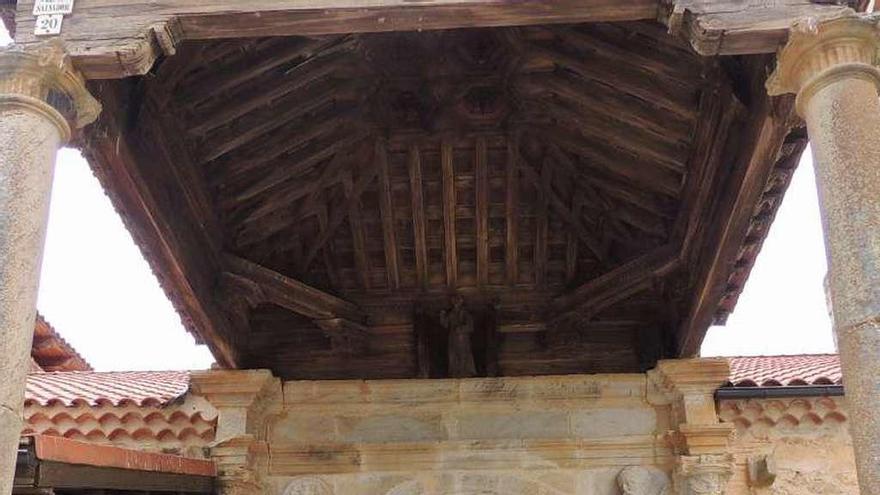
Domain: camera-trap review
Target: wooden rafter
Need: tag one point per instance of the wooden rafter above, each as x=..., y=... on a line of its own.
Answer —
x=481, y=172
x=546, y=194
x=616, y=75
x=617, y=284
x=313, y=69
x=358, y=237
x=542, y=185
x=386, y=209
x=339, y=215
x=449, y=203
x=611, y=161
x=292, y=294
x=418, y=216
x=770, y=122
x=571, y=239
x=511, y=212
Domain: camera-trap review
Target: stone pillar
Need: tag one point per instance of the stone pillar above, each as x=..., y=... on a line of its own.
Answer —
x=831, y=66
x=704, y=464
x=41, y=98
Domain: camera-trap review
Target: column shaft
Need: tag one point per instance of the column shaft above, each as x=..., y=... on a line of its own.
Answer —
x=28, y=143
x=843, y=120
x=41, y=96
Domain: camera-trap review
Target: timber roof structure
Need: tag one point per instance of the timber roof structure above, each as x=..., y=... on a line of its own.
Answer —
x=337, y=192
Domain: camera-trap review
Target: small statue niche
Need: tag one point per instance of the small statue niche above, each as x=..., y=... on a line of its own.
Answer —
x=457, y=341
x=460, y=325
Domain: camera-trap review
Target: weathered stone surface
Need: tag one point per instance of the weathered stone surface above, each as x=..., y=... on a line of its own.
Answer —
x=603, y=423
x=523, y=424
x=806, y=437
x=641, y=480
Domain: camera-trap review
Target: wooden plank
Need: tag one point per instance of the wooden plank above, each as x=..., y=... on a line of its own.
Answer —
x=59, y=475
x=386, y=209
x=481, y=172
x=770, y=122
x=511, y=212
x=109, y=39
x=450, y=249
x=358, y=237
x=292, y=294
x=622, y=281
x=547, y=195
x=541, y=227
x=571, y=239
x=718, y=110
x=339, y=215
x=418, y=216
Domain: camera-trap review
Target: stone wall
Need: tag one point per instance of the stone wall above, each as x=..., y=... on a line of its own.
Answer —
x=795, y=445
x=542, y=435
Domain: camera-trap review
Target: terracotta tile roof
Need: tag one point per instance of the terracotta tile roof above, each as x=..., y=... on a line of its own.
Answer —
x=785, y=371
x=142, y=388
x=148, y=411
x=51, y=352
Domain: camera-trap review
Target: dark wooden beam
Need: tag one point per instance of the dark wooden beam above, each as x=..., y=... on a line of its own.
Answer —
x=367, y=174
x=450, y=249
x=511, y=212
x=621, y=282
x=571, y=239
x=346, y=336
x=292, y=294
x=418, y=216
x=481, y=172
x=112, y=41
x=719, y=108
x=386, y=210
x=542, y=185
x=769, y=123
x=358, y=236
x=547, y=195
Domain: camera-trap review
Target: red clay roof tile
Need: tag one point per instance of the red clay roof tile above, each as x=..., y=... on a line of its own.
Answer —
x=785, y=371
x=142, y=388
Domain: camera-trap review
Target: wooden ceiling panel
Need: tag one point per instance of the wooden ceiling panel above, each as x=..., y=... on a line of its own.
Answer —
x=553, y=182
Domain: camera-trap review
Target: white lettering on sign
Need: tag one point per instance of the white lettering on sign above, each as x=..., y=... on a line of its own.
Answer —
x=48, y=24
x=52, y=7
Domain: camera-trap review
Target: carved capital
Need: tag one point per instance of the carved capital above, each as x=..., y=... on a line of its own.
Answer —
x=42, y=78
x=821, y=52
x=689, y=385
x=245, y=400
x=703, y=474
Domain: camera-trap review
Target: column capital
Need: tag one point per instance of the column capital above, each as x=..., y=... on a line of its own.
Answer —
x=689, y=385
x=819, y=53
x=41, y=77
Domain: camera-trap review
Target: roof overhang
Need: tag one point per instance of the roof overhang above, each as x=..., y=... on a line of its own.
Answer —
x=48, y=462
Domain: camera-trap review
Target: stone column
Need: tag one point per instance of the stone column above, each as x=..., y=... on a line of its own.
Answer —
x=41, y=98
x=831, y=66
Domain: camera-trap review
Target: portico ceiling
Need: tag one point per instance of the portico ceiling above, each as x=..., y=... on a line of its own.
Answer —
x=595, y=192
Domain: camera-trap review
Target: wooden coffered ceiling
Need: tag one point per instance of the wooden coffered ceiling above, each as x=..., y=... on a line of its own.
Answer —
x=594, y=193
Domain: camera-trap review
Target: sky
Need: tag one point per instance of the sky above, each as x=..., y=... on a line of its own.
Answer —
x=100, y=294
